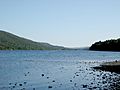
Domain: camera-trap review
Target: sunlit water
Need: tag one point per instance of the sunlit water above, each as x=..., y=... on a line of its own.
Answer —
x=55, y=70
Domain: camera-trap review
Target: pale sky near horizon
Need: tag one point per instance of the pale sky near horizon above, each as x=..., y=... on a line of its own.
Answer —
x=70, y=23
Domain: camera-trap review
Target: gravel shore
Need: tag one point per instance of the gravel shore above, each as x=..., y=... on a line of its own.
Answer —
x=110, y=66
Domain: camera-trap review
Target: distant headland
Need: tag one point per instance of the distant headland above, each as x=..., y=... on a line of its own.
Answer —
x=108, y=45
x=10, y=41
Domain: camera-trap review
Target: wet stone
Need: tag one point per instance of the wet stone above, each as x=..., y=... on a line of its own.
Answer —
x=94, y=87
x=42, y=75
x=47, y=77
x=77, y=75
x=70, y=80
x=103, y=77
x=53, y=81
x=75, y=84
x=20, y=84
x=91, y=83
x=104, y=82
x=13, y=86
x=49, y=86
x=25, y=82
x=85, y=86
x=98, y=75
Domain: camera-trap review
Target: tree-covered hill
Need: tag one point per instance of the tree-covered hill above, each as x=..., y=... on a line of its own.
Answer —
x=108, y=45
x=9, y=41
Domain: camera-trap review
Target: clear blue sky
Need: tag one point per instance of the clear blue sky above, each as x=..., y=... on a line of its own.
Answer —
x=72, y=23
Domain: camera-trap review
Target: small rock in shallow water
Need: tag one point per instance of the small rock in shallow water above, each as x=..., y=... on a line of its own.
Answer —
x=103, y=77
x=104, y=82
x=98, y=75
x=53, y=81
x=20, y=84
x=91, y=83
x=42, y=75
x=94, y=88
x=47, y=77
x=49, y=86
x=13, y=86
x=25, y=82
x=77, y=75
x=70, y=80
x=75, y=84
x=84, y=86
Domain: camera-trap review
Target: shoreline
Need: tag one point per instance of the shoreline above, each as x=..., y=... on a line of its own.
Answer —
x=109, y=66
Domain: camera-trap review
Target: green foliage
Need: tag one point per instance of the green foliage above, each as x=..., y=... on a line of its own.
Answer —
x=108, y=45
x=9, y=41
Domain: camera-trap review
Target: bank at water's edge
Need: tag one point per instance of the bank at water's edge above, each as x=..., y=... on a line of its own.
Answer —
x=110, y=66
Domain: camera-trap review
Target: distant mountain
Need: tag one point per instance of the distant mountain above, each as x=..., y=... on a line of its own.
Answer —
x=108, y=45
x=10, y=41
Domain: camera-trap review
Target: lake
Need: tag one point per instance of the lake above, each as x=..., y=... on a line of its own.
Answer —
x=56, y=70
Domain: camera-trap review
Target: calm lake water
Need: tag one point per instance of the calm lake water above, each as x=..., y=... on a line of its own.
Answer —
x=55, y=70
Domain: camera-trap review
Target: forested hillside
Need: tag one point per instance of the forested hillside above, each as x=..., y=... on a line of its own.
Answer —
x=108, y=45
x=9, y=41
